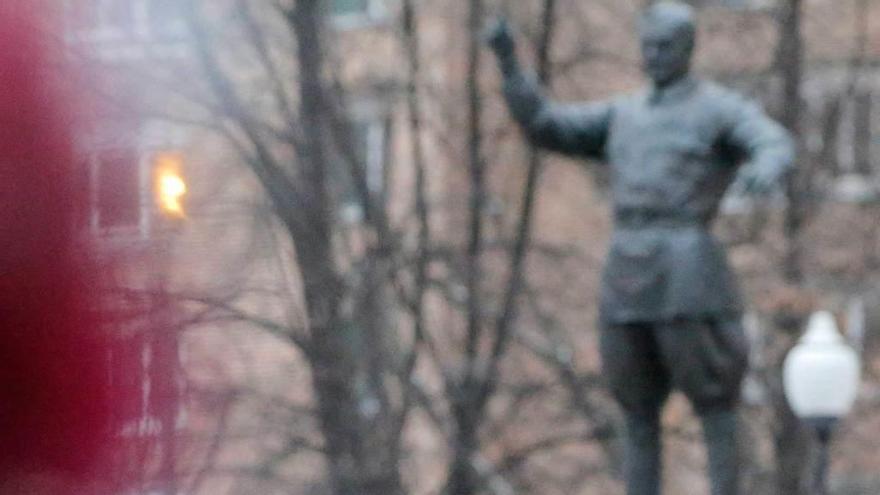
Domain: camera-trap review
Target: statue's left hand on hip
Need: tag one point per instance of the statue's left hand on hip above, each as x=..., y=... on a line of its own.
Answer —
x=758, y=180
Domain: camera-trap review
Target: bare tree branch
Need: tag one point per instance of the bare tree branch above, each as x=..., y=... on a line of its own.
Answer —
x=257, y=36
x=411, y=44
x=506, y=320
x=214, y=446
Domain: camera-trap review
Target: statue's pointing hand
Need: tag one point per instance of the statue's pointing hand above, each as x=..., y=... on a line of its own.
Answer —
x=499, y=37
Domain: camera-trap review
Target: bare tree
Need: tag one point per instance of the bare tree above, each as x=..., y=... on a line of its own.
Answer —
x=358, y=441
x=789, y=437
x=399, y=319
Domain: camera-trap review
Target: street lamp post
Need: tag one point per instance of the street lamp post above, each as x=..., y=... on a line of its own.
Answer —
x=821, y=378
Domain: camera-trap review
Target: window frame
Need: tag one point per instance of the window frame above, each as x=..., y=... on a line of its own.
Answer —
x=175, y=31
x=737, y=5
x=375, y=13
x=141, y=228
x=146, y=139
x=745, y=4
x=373, y=119
x=143, y=27
x=374, y=152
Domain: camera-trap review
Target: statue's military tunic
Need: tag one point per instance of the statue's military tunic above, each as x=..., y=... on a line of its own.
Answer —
x=672, y=153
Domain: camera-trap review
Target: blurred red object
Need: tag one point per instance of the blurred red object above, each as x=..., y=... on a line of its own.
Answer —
x=56, y=423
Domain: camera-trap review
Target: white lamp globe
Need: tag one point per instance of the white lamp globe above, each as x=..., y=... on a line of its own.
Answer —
x=821, y=374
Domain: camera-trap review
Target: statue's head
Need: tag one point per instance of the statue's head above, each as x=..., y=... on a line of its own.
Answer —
x=668, y=34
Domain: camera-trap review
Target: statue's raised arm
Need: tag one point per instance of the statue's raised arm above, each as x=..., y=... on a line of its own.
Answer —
x=573, y=129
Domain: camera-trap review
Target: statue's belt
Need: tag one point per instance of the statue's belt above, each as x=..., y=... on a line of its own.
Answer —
x=648, y=217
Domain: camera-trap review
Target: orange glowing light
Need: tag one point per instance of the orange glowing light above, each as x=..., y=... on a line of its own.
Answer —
x=169, y=184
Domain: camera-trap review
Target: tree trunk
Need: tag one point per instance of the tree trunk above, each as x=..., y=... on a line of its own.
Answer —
x=791, y=442
x=828, y=156
x=462, y=479
x=863, y=132
x=357, y=451
x=790, y=66
x=480, y=382
x=789, y=437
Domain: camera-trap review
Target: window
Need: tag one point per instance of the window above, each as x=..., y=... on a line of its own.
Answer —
x=746, y=4
x=118, y=205
x=350, y=7
x=165, y=19
x=134, y=172
x=130, y=187
x=733, y=4
x=354, y=13
x=156, y=20
x=145, y=368
x=101, y=18
x=117, y=189
x=368, y=142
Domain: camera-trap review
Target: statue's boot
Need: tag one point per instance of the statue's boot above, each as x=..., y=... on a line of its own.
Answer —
x=719, y=429
x=642, y=462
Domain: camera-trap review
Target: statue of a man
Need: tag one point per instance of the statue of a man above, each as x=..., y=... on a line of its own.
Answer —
x=670, y=310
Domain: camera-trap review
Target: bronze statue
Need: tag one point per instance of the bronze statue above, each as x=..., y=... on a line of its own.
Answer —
x=670, y=310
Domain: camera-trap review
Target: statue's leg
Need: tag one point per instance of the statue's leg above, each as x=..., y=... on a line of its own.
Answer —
x=708, y=359
x=632, y=366
x=643, y=453
x=719, y=430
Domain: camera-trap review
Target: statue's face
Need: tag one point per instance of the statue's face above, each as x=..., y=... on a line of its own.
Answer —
x=667, y=46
